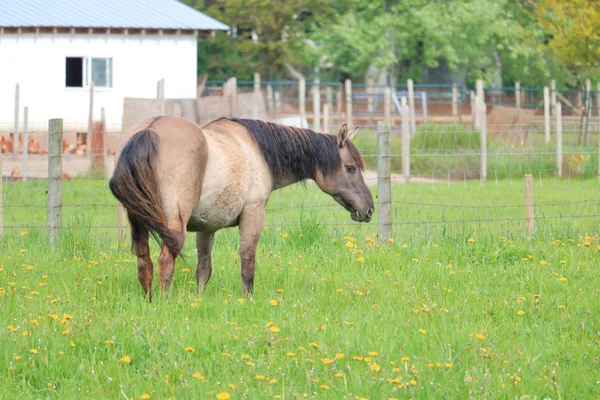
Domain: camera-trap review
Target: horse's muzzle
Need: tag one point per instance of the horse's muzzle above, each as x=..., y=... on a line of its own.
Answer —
x=360, y=217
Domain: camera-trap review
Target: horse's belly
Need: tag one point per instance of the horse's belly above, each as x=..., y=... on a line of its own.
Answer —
x=215, y=212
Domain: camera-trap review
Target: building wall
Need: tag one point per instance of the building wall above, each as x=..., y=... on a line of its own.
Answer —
x=37, y=63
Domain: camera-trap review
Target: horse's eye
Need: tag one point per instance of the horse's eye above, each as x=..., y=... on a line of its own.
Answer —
x=351, y=169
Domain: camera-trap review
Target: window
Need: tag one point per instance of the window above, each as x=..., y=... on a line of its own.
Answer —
x=74, y=74
x=80, y=71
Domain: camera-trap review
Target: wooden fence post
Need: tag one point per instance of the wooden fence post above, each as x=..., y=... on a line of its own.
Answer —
x=256, y=82
x=559, y=142
x=160, y=95
x=97, y=150
x=278, y=106
x=473, y=108
x=518, y=94
x=480, y=92
x=411, y=106
x=270, y=107
x=302, y=100
x=454, y=100
x=91, y=110
x=1, y=196
x=316, y=95
x=326, y=118
x=349, y=103
x=405, y=140
x=588, y=110
x=369, y=90
x=55, y=138
x=16, y=127
x=529, y=210
x=598, y=105
x=25, y=141
x=384, y=184
x=546, y=114
x=482, y=119
x=387, y=106
x=552, y=95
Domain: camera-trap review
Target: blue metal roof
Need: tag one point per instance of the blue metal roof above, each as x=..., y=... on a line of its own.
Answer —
x=130, y=14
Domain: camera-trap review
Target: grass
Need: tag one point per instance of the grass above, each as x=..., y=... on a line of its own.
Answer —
x=468, y=307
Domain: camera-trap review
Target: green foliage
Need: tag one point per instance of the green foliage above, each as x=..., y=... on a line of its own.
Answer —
x=524, y=40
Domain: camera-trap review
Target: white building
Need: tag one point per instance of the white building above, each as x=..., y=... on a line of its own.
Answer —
x=54, y=49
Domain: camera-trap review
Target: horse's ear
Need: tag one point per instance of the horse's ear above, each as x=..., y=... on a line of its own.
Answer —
x=342, y=135
x=351, y=135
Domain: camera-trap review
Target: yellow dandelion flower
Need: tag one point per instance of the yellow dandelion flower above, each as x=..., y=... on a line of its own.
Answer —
x=360, y=259
x=544, y=262
x=274, y=329
x=198, y=375
x=314, y=344
x=422, y=331
x=324, y=387
x=285, y=235
x=373, y=353
x=126, y=359
x=339, y=375
x=223, y=396
x=280, y=290
x=521, y=312
x=186, y=270
x=189, y=349
x=480, y=336
x=562, y=279
x=327, y=360
x=412, y=382
x=395, y=380
x=357, y=358
x=273, y=303
x=33, y=351
x=375, y=367
x=470, y=240
x=339, y=356
x=145, y=396
x=24, y=233
x=259, y=377
x=405, y=359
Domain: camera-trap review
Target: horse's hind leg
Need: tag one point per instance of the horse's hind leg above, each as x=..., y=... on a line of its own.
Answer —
x=139, y=239
x=252, y=221
x=166, y=259
x=204, y=270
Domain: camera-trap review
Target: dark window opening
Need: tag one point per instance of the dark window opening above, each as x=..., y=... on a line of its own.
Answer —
x=74, y=72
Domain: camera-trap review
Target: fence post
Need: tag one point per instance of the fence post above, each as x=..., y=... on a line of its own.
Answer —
x=270, y=107
x=91, y=110
x=482, y=109
x=329, y=101
x=302, y=100
x=552, y=95
x=598, y=104
x=349, y=103
x=384, y=184
x=1, y=196
x=559, y=143
x=256, y=82
x=326, y=118
x=518, y=94
x=411, y=105
x=161, y=96
x=546, y=114
x=278, y=106
x=387, y=105
x=16, y=127
x=405, y=140
x=473, y=108
x=479, y=87
x=454, y=100
x=588, y=106
x=55, y=137
x=316, y=95
x=25, y=141
x=529, y=210
x=369, y=90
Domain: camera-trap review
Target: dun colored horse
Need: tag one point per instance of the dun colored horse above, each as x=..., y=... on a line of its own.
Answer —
x=173, y=176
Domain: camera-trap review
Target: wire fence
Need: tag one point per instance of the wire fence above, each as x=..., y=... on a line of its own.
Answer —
x=445, y=190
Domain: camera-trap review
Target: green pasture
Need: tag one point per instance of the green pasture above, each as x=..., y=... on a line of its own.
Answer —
x=461, y=303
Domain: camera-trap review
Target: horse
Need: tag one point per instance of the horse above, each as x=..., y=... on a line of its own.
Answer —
x=173, y=176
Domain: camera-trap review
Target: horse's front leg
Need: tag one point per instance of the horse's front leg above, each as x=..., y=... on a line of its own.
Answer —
x=204, y=243
x=252, y=221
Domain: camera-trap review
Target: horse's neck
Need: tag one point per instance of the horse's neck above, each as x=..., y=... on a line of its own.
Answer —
x=283, y=182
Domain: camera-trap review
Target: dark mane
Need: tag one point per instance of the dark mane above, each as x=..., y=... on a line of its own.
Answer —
x=296, y=153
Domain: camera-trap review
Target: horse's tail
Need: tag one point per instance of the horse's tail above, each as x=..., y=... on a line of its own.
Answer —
x=135, y=185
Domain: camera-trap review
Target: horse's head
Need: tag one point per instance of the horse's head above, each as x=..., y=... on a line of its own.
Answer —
x=346, y=185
